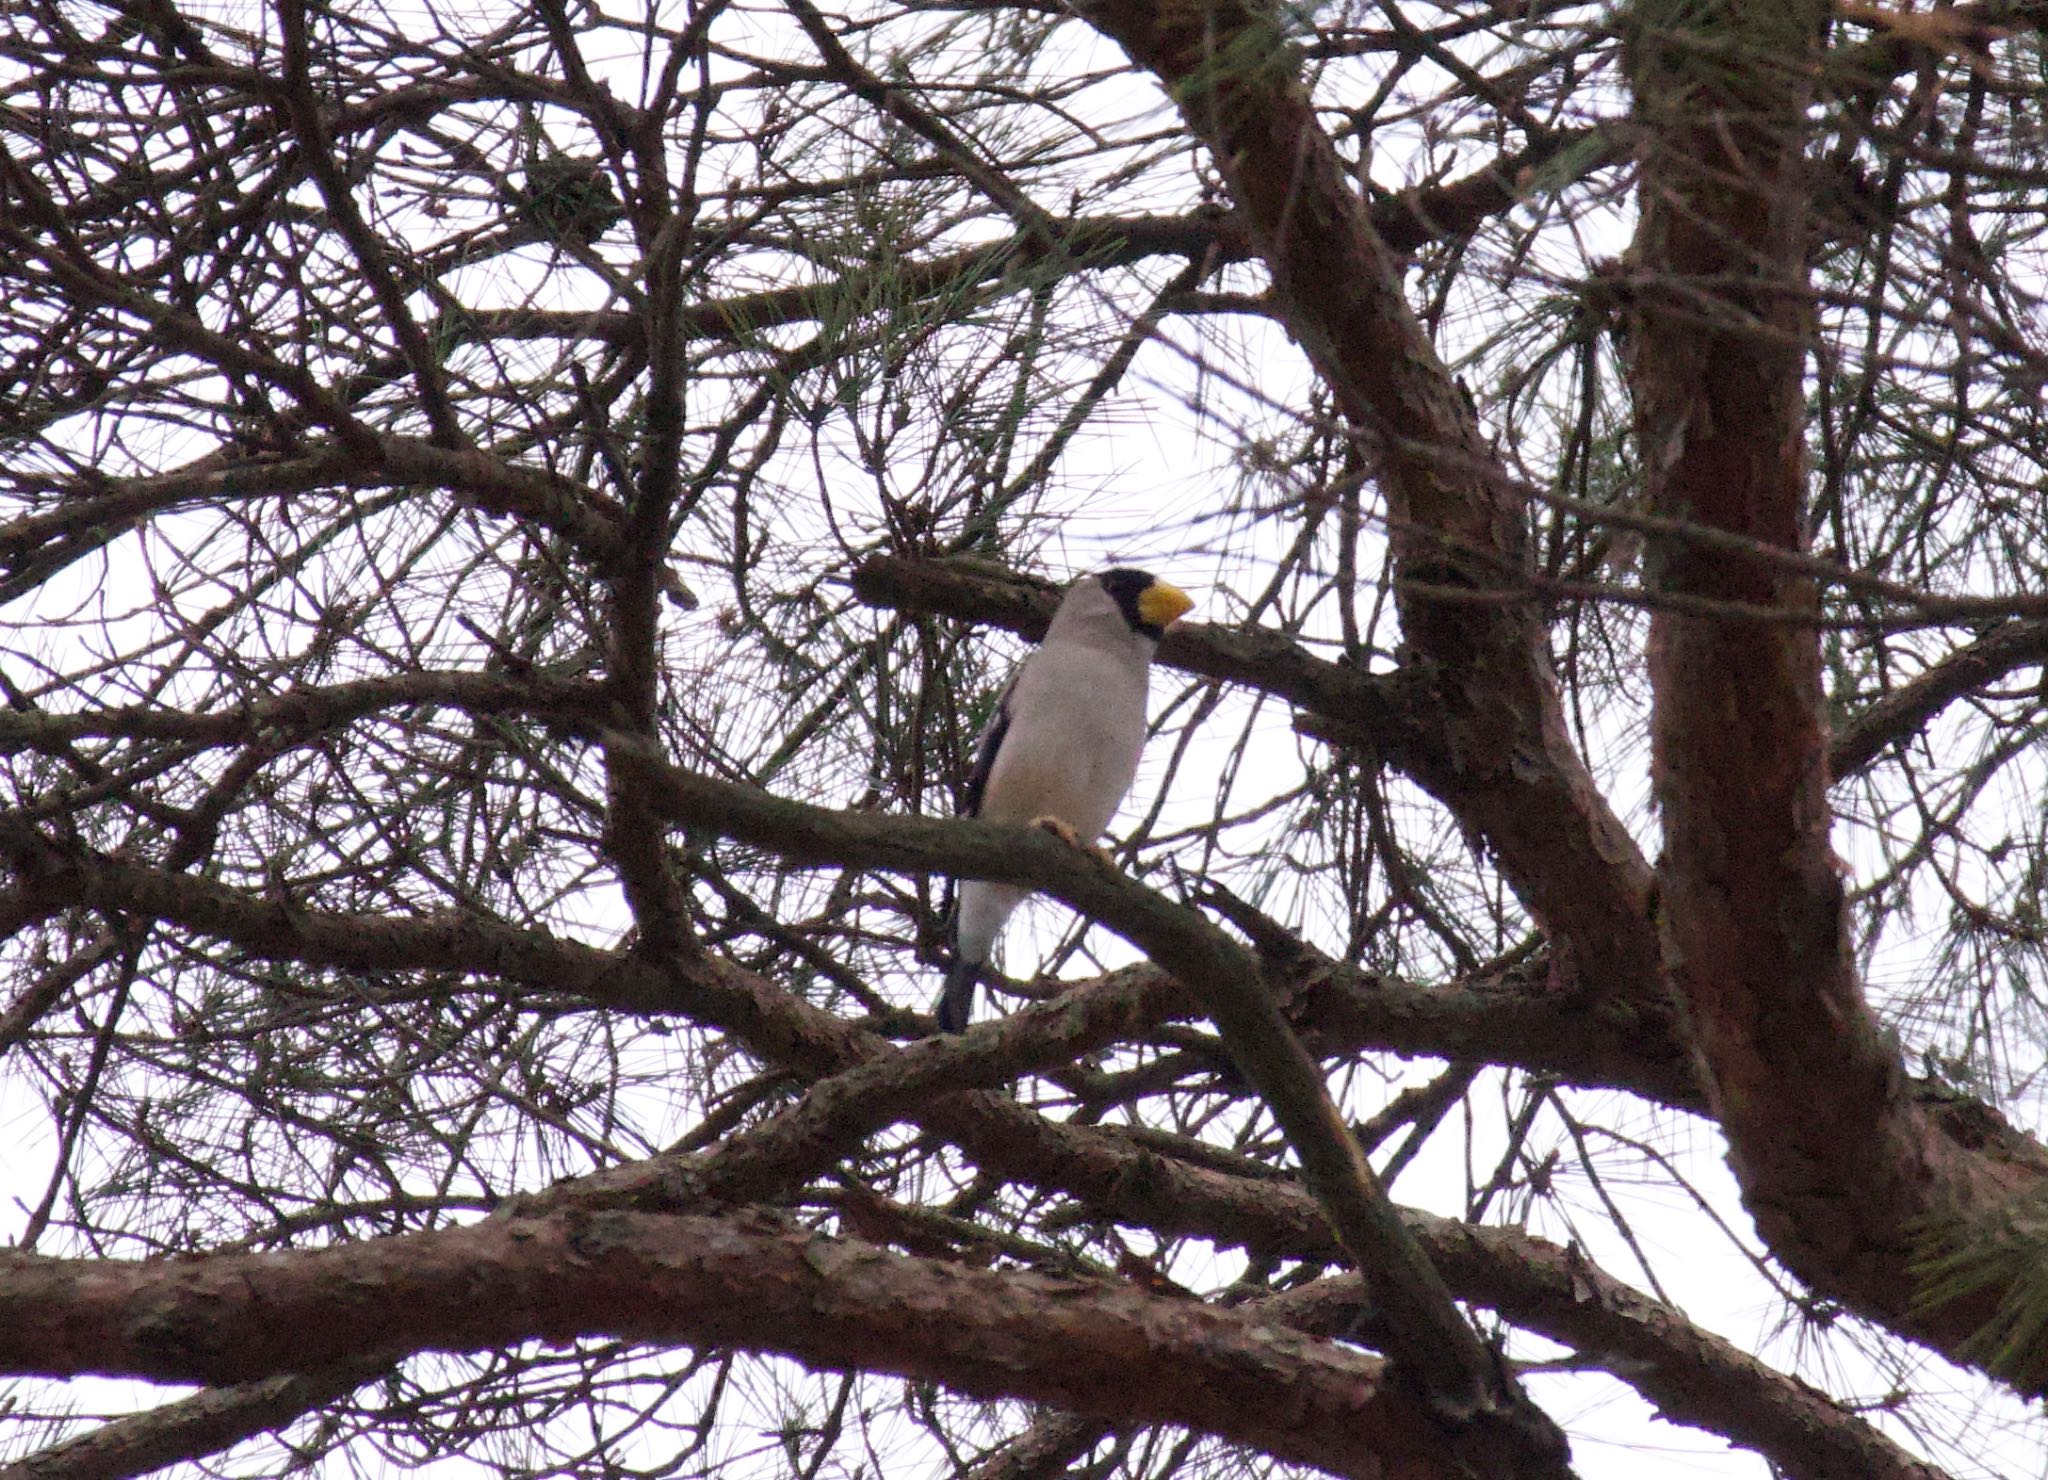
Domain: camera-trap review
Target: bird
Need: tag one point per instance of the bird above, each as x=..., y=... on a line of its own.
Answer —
x=1063, y=747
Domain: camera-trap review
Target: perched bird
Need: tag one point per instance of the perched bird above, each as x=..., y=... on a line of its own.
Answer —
x=1063, y=747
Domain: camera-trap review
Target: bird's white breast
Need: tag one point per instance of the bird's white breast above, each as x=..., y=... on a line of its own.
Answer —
x=1077, y=728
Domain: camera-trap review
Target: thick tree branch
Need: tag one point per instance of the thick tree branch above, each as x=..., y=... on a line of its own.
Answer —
x=1844, y=1171
x=190, y=1428
x=1694, y=1377
x=1105, y=1350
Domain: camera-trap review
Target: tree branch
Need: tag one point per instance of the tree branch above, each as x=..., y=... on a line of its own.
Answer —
x=1904, y=712
x=1846, y=1173
x=1694, y=1377
x=190, y=1428
x=1110, y=1351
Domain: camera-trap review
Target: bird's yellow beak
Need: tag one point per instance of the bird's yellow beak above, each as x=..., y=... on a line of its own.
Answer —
x=1160, y=605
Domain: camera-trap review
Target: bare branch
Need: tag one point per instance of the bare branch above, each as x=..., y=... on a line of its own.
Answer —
x=737, y=1280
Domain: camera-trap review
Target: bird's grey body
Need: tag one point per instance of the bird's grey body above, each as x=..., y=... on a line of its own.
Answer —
x=1064, y=744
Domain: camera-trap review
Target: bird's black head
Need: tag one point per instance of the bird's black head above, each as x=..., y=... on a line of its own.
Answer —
x=1148, y=603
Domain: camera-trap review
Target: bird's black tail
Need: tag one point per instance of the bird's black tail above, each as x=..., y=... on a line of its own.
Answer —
x=956, y=998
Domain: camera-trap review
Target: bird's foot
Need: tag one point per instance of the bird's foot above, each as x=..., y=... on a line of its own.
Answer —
x=1060, y=828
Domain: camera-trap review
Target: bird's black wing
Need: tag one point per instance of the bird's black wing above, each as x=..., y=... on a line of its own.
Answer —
x=985, y=758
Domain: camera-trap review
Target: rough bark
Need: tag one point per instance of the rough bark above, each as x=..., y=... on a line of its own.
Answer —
x=190, y=1428
x=1094, y=1347
x=1841, y=1167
